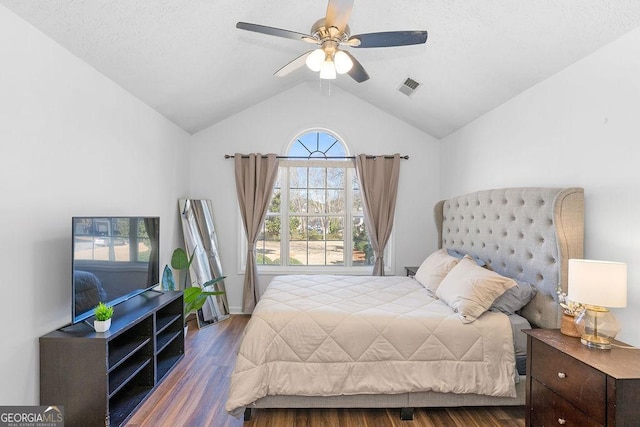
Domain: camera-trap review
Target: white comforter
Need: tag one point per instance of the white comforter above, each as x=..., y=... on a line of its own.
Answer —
x=342, y=335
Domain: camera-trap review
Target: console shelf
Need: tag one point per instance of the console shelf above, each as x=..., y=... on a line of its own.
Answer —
x=102, y=378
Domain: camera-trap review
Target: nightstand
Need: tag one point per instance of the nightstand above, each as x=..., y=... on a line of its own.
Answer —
x=571, y=384
x=411, y=271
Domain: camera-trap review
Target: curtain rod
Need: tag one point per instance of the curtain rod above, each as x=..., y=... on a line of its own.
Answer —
x=405, y=157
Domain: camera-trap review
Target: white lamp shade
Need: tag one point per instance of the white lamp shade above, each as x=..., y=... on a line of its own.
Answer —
x=315, y=59
x=598, y=283
x=343, y=62
x=328, y=70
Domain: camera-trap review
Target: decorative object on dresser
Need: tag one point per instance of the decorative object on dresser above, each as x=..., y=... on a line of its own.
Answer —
x=570, y=309
x=597, y=285
x=571, y=384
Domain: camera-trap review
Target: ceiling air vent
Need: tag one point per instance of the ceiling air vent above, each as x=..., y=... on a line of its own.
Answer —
x=409, y=86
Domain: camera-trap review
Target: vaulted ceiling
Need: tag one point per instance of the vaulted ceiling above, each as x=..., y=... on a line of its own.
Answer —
x=186, y=59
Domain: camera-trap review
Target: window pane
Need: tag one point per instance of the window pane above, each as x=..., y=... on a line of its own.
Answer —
x=335, y=148
x=335, y=241
x=298, y=201
x=317, y=252
x=335, y=177
x=297, y=240
x=357, y=196
x=297, y=228
x=274, y=205
x=335, y=201
x=317, y=145
x=271, y=230
x=316, y=201
x=362, y=252
x=316, y=227
x=298, y=253
x=335, y=230
x=317, y=177
x=297, y=177
x=268, y=244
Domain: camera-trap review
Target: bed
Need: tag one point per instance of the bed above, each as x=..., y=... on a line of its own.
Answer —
x=364, y=341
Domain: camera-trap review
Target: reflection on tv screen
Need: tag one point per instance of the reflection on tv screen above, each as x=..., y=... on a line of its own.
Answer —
x=114, y=258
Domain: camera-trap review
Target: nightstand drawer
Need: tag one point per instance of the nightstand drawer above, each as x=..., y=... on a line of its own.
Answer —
x=583, y=386
x=550, y=409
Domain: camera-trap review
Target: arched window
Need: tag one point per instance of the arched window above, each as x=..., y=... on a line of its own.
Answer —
x=315, y=216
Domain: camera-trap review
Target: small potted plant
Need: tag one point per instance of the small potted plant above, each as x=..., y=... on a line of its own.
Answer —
x=103, y=315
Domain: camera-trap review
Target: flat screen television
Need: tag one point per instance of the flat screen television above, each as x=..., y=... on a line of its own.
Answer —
x=113, y=259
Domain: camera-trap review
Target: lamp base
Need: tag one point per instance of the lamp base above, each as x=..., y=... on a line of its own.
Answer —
x=593, y=341
x=597, y=327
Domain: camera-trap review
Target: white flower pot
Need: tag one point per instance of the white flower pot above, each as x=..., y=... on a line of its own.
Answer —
x=101, y=325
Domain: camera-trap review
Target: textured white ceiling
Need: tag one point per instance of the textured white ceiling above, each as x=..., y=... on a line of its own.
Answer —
x=186, y=59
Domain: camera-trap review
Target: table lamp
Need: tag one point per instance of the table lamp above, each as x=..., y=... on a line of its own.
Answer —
x=597, y=285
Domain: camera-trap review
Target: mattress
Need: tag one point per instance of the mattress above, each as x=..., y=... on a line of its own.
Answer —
x=347, y=335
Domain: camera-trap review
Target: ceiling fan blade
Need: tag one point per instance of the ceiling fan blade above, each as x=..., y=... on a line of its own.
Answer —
x=293, y=65
x=357, y=72
x=272, y=31
x=387, y=39
x=338, y=13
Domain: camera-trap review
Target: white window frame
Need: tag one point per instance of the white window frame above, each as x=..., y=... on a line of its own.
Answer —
x=346, y=269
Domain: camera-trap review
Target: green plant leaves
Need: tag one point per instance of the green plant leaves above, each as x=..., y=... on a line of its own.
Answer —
x=103, y=312
x=180, y=260
x=194, y=297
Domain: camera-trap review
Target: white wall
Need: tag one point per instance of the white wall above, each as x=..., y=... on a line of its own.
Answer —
x=581, y=127
x=72, y=143
x=270, y=127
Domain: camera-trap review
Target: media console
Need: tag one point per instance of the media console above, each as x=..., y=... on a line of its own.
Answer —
x=101, y=378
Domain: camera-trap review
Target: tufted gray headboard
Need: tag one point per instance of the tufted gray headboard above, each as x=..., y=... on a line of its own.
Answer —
x=526, y=233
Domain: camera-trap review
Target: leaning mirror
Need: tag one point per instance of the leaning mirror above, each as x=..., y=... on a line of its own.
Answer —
x=200, y=235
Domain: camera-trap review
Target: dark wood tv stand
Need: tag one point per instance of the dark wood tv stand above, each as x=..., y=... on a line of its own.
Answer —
x=102, y=378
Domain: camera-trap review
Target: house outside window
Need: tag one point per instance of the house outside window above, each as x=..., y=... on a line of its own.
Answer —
x=315, y=221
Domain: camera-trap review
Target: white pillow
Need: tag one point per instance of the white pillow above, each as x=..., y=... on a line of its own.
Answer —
x=434, y=268
x=470, y=289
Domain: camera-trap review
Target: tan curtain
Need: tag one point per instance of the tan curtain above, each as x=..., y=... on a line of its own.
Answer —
x=379, y=187
x=255, y=176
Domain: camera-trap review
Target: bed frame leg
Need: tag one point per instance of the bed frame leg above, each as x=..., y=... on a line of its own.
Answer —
x=247, y=413
x=406, y=414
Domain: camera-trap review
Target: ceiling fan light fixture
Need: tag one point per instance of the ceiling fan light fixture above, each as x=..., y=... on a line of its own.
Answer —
x=328, y=70
x=342, y=62
x=315, y=59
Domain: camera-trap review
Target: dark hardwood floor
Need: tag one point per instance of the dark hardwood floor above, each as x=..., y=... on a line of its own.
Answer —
x=195, y=392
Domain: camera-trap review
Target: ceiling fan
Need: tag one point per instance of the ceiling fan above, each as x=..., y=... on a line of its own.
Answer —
x=331, y=34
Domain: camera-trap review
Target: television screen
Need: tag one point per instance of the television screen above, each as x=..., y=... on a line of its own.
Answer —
x=113, y=259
